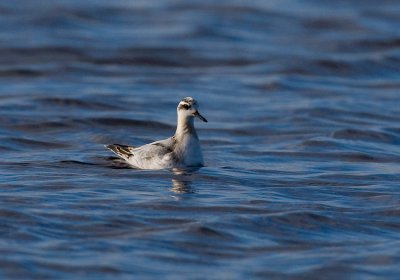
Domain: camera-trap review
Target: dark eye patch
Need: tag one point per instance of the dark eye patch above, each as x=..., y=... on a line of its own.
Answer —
x=185, y=106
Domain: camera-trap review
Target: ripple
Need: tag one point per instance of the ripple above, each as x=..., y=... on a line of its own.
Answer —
x=70, y=102
x=36, y=144
x=301, y=151
x=354, y=134
x=120, y=122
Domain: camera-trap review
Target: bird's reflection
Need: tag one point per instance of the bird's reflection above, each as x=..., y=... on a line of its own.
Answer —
x=182, y=180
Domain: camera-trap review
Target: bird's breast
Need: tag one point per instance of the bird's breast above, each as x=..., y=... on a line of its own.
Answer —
x=191, y=152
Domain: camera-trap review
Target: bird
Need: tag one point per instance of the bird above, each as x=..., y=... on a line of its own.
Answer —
x=179, y=151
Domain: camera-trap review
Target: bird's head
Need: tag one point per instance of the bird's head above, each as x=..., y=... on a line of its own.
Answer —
x=188, y=108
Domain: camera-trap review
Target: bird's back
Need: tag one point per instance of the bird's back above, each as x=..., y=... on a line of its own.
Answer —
x=156, y=155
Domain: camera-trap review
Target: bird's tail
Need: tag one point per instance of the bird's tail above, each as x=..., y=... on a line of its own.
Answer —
x=122, y=151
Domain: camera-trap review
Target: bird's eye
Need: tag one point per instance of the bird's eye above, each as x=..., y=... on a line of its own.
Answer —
x=186, y=106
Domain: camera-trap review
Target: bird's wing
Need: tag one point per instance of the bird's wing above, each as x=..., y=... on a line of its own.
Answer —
x=147, y=156
x=154, y=150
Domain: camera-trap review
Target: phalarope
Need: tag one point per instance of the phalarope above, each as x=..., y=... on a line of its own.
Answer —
x=181, y=150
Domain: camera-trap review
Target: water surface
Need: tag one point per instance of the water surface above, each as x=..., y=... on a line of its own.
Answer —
x=302, y=146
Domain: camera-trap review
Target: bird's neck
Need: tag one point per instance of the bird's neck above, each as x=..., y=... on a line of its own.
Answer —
x=185, y=128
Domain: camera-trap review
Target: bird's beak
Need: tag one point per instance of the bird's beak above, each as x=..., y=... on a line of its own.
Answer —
x=197, y=114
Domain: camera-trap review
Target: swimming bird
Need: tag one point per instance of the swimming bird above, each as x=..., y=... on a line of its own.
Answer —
x=181, y=150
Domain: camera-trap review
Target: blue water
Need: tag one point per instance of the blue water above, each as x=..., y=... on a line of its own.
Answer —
x=302, y=148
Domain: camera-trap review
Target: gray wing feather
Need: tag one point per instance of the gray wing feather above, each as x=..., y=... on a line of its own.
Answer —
x=146, y=154
x=155, y=149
